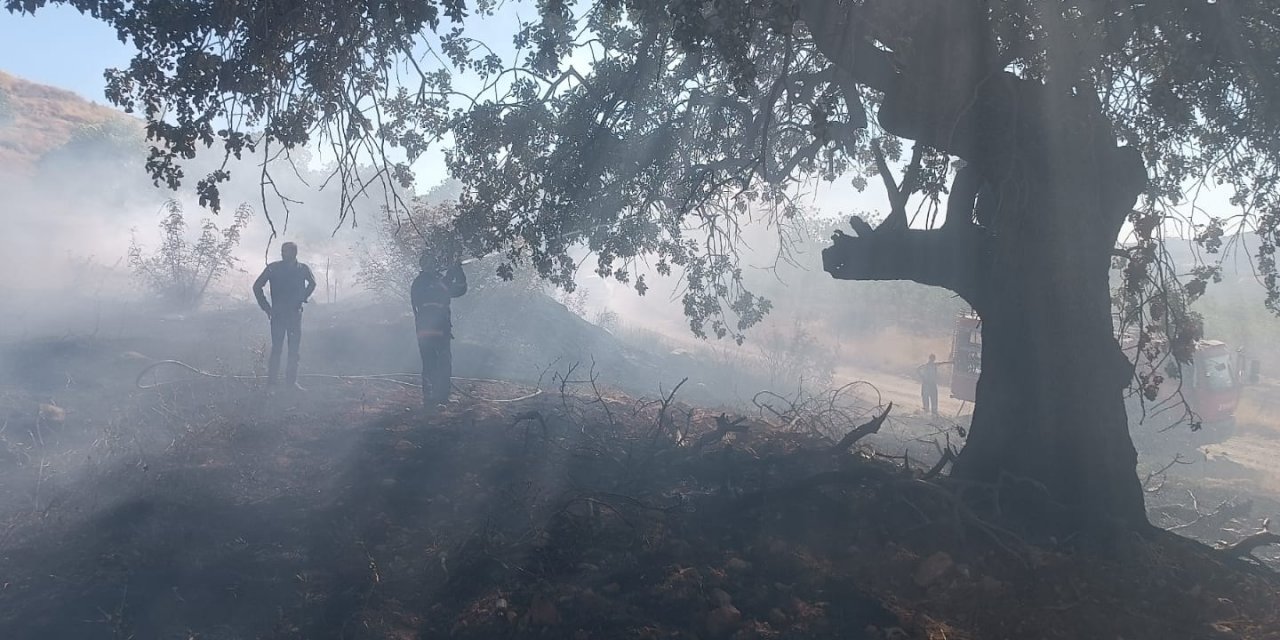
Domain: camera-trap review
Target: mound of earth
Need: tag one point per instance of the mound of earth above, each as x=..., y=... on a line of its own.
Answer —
x=208, y=509
x=37, y=119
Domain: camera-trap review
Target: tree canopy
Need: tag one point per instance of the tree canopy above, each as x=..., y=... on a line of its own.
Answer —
x=642, y=128
x=650, y=128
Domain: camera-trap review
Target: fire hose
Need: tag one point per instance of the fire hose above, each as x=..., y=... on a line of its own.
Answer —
x=391, y=378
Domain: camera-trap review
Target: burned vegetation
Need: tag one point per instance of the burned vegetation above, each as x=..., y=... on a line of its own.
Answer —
x=575, y=511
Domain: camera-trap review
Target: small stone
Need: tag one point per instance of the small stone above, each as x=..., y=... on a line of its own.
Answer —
x=501, y=604
x=610, y=589
x=721, y=597
x=933, y=568
x=543, y=613
x=52, y=413
x=737, y=564
x=723, y=621
x=777, y=618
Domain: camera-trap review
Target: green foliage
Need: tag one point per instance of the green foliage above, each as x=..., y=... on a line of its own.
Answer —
x=180, y=272
x=691, y=113
x=389, y=263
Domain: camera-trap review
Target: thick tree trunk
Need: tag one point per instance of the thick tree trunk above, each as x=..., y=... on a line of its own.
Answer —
x=1049, y=415
x=1050, y=398
x=1027, y=241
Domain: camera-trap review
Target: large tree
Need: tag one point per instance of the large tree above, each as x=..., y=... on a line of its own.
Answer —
x=653, y=129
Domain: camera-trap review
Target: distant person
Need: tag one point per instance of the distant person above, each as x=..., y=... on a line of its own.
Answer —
x=430, y=296
x=292, y=283
x=928, y=373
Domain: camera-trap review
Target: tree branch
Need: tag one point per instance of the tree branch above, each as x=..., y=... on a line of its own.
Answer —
x=837, y=34
x=862, y=431
x=952, y=258
x=1249, y=543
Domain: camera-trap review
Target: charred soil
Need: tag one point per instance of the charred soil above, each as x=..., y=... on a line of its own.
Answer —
x=209, y=509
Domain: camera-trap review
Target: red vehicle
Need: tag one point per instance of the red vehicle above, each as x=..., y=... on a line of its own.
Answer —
x=966, y=357
x=1210, y=384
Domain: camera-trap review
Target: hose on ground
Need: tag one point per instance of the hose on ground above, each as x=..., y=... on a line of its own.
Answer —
x=391, y=378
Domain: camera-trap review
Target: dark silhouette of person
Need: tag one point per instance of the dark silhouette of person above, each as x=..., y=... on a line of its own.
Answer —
x=430, y=296
x=928, y=373
x=292, y=283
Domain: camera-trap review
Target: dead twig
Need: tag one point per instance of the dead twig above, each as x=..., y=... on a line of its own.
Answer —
x=1161, y=473
x=1250, y=542
x=723, y=428
x=862, y=431
x=948, y=456
x=1247, y=545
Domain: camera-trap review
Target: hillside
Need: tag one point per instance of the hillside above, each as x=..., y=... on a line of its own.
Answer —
x=37, y=120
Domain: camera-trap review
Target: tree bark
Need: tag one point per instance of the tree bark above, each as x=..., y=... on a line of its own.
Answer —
x=1050, y=402
x=1051, y=189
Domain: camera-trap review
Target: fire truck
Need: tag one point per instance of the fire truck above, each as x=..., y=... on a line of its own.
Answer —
x=1210, y=385
x=966, y=357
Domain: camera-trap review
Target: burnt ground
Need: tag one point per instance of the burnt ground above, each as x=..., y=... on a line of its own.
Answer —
x=205, y=508
x=208, y=509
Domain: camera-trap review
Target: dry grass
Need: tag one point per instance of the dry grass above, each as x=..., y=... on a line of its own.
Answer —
x=43, y=119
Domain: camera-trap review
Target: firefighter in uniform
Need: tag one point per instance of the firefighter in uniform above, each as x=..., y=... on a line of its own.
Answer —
x=292, y=283
x=430, y=296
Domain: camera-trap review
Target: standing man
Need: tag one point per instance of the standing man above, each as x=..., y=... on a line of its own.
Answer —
x=291, y=285
x=430, y=296
x=928, y=373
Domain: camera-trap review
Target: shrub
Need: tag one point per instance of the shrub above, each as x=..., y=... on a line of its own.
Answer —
x=180, y=272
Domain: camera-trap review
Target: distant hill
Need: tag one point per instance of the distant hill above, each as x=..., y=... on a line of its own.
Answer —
x=37, y=121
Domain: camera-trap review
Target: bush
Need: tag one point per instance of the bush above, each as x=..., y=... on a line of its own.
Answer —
x=389, y=263
x=180, y=272
x=607, y=319
x=794, y=354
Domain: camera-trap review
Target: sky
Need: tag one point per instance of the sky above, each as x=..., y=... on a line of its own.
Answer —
x=63, y=48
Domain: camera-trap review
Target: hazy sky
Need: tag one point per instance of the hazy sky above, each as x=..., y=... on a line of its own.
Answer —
x=63, y=48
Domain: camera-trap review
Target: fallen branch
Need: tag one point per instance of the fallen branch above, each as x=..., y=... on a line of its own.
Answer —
x=862, y=431
x=723, y=428
x=1246, y=546
x=948, y=456
x=1249, y=543
x=1224, y=512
